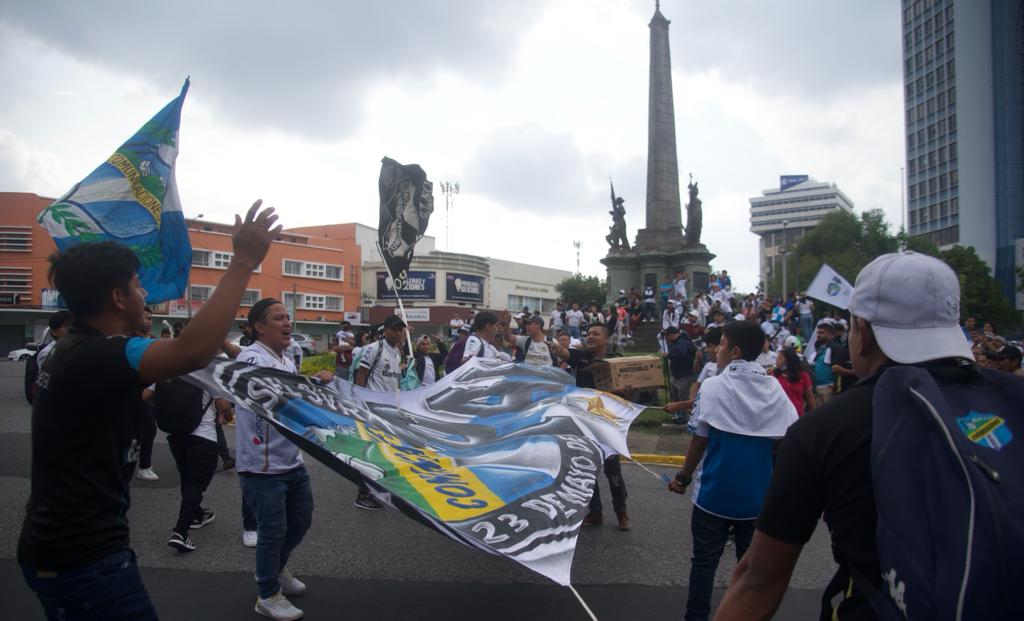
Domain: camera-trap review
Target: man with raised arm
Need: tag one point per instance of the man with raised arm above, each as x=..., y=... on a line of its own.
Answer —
x=74, y=549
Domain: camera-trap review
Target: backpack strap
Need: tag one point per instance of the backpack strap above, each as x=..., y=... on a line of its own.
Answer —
x=380, y=350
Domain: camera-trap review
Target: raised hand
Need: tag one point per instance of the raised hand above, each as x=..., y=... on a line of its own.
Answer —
x=252, y=237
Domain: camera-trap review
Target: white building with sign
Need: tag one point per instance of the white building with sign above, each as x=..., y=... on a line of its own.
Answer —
x=783, y=215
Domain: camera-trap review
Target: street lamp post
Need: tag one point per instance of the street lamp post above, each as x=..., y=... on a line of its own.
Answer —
x=576, y=245
x=785, y=283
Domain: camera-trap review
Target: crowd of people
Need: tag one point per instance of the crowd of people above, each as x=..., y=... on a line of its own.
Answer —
x=745, y=372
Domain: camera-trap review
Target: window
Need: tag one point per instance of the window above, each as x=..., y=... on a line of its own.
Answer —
x=306, y=269
x=199, y=293
x=250, y=297
x=952, y=95
x=16, y=238
x=952, y=150
x=221, y=260
x=16, y=280
x=313, y=301
x=215, y=259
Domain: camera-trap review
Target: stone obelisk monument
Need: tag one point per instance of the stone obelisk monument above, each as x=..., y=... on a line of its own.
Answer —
x=661, y=248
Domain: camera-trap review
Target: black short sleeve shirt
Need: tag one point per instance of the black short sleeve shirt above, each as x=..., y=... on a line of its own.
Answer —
x=85, y=442
x=579, y=360
x=823, y=469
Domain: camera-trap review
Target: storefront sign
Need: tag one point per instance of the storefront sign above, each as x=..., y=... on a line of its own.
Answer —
x=419, y=286
x=418, y=315
x=464, y=288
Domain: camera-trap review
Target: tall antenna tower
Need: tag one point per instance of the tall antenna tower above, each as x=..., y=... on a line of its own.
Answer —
x=576, y=244
x=450, y=191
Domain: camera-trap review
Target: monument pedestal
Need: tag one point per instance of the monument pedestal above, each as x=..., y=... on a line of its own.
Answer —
x=638, y=268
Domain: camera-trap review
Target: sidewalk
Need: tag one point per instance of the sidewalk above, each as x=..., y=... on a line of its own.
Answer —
x=658, y=447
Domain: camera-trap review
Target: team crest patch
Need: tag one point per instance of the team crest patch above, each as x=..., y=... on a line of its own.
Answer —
x=985, y=429
x=834, y=287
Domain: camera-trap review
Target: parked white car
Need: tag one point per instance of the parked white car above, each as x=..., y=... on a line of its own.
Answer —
x=23, y=354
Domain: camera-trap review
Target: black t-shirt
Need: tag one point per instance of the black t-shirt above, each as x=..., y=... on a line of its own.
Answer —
x=824, y=466
x=86, y=425
x=579, y=360
x=841, y=356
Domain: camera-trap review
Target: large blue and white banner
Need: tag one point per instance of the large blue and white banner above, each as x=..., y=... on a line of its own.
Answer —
x=501, y=457
x=132, y=199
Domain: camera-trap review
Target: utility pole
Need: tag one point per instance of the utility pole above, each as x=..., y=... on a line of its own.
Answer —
x=576, y=245
x=784, y=250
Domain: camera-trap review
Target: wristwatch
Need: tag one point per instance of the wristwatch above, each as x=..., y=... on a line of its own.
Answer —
x=683, y=478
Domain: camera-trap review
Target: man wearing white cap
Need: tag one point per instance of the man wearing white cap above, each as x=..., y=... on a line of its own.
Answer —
x=904, y=311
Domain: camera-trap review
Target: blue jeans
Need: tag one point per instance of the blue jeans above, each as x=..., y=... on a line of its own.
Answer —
x=111, y=588
x=574, y=332
x=806, y=327
x=710, y=533
x=283, y=506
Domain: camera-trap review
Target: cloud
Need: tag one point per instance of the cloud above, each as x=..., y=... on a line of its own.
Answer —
x=301, y=68
x=25, y=169
x=813, y=50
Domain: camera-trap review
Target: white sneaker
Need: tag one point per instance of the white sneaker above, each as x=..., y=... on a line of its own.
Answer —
x=290, y=585
x=277, y=607
x=249, y=538
x=147, y=474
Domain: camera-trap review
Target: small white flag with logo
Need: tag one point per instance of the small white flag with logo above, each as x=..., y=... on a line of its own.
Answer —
x=829, y=286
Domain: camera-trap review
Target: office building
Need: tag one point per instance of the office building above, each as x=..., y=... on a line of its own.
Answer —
x=781, y=216
x=963, y=71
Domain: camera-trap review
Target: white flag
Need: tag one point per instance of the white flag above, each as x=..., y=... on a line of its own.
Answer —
x=829, y=286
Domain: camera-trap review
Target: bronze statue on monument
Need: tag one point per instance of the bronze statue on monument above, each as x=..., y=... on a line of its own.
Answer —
x=617, y=238
x=694, y=216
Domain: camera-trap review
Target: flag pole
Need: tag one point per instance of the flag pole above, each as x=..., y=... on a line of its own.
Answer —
x=401, y=307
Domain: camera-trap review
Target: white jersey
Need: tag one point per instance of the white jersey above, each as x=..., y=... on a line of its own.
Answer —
x=472, y=349
x=384, y=363
x=537, y=352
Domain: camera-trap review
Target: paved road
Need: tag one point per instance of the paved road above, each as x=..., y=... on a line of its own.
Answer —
x=381, y=565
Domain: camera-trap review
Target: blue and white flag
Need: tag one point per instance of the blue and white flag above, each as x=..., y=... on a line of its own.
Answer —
x=829, y=286
x=132, y=199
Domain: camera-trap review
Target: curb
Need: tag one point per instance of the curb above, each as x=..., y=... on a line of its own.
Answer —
x=653, y=458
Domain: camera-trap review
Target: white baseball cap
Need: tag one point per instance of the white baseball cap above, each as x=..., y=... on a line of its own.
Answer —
x=912, y=302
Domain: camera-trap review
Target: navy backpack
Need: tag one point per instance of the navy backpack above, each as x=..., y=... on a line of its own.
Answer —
x=947, y=464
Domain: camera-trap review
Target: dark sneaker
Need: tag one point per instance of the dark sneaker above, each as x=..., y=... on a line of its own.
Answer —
x=208, y=516
x=229, y=463
x=624, y=522
x=368, y=502
x=593, y=519
x=181, y=543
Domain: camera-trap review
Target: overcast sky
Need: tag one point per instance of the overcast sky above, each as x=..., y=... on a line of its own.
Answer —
x=530, y=105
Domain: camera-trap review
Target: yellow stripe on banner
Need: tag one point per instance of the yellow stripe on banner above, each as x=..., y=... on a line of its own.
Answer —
x=141, y=194
x=453, y=492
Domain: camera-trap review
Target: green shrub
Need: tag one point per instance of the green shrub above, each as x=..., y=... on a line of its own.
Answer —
x=312, y=364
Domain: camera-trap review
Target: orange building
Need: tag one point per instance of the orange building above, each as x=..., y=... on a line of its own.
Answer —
x=316, y=276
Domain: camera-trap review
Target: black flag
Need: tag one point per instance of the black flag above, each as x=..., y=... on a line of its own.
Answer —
x=406, y=202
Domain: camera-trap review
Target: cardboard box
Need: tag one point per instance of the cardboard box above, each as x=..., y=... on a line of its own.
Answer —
x=636, y=371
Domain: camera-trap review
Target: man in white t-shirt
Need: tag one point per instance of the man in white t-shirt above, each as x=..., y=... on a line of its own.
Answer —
x=454, y=326
x=557, y=319
x=680, y=284
x=271, y=472
x=380, y=366
x=537, y=352
x=485, y=328
x=573, y=319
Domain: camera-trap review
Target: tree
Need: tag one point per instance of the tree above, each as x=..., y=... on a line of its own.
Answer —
x=980, y=295
x=583, y=289
x=848, y=243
